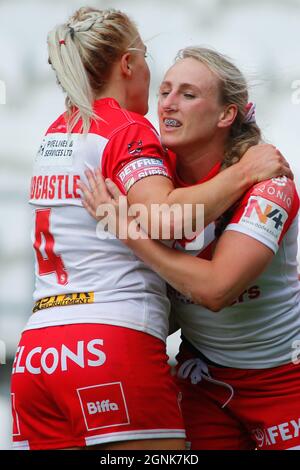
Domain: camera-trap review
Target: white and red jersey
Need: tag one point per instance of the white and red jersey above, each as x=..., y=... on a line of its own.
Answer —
x=259, y=328
x=81, y=278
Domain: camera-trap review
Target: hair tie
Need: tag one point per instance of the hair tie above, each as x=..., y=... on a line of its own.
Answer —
x=250, y=113
x=62, y=41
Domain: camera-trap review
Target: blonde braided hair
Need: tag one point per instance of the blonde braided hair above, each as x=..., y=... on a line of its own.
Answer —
x=82, y=52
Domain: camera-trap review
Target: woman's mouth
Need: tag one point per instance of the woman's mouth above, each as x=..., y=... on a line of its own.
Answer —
x=168, y=122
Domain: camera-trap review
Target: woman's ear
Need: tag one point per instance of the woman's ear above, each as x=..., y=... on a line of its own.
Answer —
x=125, y=64
x=228, y=116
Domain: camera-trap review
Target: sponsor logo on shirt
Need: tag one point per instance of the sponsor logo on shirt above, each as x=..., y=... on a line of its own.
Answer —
x=280, y=181
x=272, y=435
x=103, y=406
x=61, y=300
x=264, y=217
x=251, y=293
x=135, y=147
x=141, y=168
x=278, y=190
x=55, y=149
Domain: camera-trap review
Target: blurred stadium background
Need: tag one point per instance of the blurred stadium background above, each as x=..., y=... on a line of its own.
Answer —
x=261, y=36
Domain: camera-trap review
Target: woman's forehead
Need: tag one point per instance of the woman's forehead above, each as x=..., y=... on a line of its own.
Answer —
x=190, y=71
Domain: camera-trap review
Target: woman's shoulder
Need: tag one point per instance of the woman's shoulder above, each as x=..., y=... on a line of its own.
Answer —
x=59, y=125
x=113, y=118
x=281, y=191
x=274, y=200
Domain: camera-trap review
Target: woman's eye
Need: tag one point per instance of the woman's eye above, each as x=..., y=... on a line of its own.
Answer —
x=164, y=93
x=189, y=96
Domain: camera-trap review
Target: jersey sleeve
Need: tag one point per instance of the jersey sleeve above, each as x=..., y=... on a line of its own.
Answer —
x=267, y=211
x=133, y=153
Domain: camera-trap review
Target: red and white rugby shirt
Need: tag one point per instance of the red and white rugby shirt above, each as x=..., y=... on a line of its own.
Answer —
x=100, y=280
x=260, y=328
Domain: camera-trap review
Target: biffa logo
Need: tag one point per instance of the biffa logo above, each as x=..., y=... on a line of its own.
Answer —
x=98, y=410
x=101, y=407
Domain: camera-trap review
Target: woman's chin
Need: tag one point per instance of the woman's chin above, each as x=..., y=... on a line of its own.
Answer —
x=170, y=143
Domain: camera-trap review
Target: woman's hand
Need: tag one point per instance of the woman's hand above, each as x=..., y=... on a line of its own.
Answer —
x=100, y=192
x=264, y=161
x=104, y=202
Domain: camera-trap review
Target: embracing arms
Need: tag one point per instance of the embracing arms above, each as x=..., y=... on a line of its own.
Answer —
x=260, y=162
x=215, y=284
x=238, y=259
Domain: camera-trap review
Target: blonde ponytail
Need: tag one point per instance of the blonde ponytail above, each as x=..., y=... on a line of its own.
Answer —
x=82, y=53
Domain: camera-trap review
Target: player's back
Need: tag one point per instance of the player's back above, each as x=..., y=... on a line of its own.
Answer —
x=78, y=264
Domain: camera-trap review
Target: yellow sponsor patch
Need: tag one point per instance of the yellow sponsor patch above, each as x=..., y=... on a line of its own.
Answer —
x=64, y=299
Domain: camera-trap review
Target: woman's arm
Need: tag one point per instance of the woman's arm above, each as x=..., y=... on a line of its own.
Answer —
x=217, y=195
x=259, y=163
x=238, y=259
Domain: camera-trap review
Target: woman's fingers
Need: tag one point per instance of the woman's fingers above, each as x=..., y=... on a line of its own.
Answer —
x=288, y=172
x=95, y=193
x=286, y=168
x=101, y=186
x=91, y=180
x=100, y=193
x=87, y=195
x=113, y=189
x=88, y=208
x=97, y=187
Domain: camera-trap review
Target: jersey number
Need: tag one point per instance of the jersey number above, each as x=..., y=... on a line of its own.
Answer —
x=52, y=263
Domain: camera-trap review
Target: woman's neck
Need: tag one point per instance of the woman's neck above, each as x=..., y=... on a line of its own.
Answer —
x=112, y=92
x=193, y=167
x=115, y=88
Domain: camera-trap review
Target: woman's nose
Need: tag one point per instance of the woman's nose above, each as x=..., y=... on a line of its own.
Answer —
x=169, y=104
